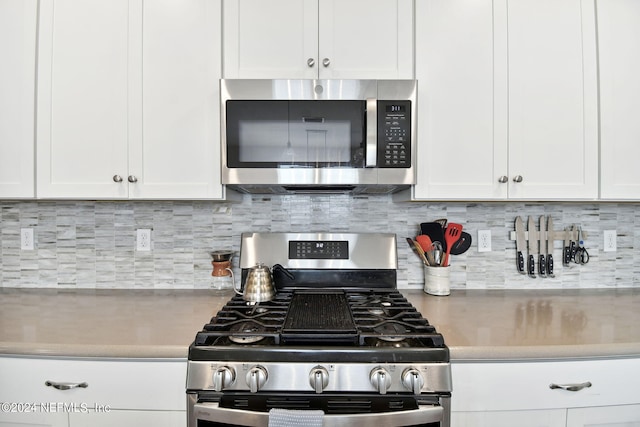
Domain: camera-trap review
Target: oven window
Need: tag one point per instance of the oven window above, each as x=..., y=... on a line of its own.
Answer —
x=281, y=133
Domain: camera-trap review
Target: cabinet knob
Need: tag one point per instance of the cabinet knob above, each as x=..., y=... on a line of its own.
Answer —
x=132, y=179
x=326, y=62
x=517, y=178
x=117, y=178
x=503, y=179
x=311, y=62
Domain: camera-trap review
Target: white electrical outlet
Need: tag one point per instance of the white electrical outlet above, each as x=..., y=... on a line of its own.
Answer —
x=143, y=239
x=27, y=239
x=610, y=241
x=484, y=240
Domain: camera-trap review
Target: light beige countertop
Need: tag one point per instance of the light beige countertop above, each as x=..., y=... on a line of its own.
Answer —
x=476, y=324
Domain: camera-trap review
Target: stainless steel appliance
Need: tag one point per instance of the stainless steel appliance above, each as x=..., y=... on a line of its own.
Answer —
x=282, y=136
x=337, y=337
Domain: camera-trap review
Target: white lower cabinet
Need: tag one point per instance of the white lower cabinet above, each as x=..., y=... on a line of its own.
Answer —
x=607, y=416
x=129, y=418
x=122, y=392
x=541, y=418
x=505, y=394
x=31, y=419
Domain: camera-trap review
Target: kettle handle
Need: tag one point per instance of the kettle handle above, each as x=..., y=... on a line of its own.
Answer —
x=233, y=281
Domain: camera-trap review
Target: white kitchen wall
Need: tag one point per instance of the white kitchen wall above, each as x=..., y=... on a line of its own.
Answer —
x=86, y=244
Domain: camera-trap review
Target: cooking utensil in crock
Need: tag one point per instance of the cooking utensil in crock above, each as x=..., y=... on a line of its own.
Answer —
x=462, y=244
x=451, y=235
x=434, y=230
x=418, y=250
x=258, y=286
x=424, y=241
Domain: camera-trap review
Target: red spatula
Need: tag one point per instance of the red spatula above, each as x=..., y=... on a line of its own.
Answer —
x=424, y=241
x=451, y=235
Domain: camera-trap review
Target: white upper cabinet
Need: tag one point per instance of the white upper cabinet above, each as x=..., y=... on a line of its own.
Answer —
x=553, y=99
x=177, y=152
x=17, y=97
x=619, y=53
x=507, y=104
x=128, y=99
x=310, y=39
x=462, y=146
x=84, y=67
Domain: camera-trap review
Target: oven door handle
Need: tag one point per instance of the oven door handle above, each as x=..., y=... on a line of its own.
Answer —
x=211, y=411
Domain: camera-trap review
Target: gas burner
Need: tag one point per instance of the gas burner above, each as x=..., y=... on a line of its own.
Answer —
x=248, y=333
x=394, y=344
x=379, y=308
x=391, y=332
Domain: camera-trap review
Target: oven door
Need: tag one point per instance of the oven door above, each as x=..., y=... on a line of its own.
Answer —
x=210, y=414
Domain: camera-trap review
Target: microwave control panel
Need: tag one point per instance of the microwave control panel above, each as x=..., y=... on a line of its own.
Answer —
x=394, y=134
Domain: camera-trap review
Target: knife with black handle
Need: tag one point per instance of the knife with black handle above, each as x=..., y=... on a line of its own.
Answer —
x=542, y=239
x=533, y=248
x=520, y=245
x=566, y=248
x=550, y=236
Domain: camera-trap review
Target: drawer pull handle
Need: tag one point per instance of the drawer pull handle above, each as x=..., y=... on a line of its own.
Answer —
x=65, y=386
x=571, y=387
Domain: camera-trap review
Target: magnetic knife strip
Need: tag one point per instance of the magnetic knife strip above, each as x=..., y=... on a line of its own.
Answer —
x=539, y=246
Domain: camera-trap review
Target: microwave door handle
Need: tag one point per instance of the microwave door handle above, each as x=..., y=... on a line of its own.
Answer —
x=371, y=149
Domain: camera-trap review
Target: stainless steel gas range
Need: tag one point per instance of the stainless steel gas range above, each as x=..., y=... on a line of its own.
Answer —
x=337, y=344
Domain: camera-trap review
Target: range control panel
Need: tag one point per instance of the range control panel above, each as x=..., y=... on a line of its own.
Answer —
x=318, y=249
x=394, y=134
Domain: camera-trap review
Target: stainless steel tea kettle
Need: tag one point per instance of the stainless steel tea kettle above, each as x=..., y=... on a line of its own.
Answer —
x=258, y=286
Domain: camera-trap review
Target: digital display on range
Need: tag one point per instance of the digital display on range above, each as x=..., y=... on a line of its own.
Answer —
x=318, y=249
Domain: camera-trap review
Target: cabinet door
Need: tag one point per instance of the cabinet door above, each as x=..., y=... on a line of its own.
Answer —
x=553, y=135
x=462, y=142
x=275, y=39
x=109, y=418
x=83, y=98
x=33, y=419
x=605, y=416
x=17, y=94
x=619, y=56
x=366, y=39
x=175, y=149
x=111, y=384
x=541, y=418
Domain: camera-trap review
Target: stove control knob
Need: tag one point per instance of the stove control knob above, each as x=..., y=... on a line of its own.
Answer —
x=319, y=378
x=223, y=377
x=412, y=380
x=256, y=378
x=380, y=379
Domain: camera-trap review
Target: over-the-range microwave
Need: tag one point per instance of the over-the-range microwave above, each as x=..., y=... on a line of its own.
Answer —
x=284, y=136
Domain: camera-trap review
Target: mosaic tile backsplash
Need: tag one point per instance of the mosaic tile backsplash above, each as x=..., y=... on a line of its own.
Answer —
x=91, y=244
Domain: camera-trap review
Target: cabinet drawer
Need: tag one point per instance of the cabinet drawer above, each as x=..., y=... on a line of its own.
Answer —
x=112, y=383
x=526, y=385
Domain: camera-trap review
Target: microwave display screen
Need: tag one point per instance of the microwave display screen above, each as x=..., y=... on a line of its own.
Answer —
x=395, y=108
